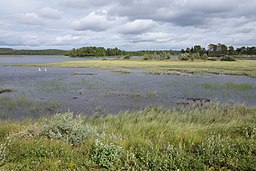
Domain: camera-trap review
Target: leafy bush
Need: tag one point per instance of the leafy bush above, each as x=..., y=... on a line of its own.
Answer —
x=204, y=57
x=66, y=126
x=184, y=58
x=228, y=58
x=127, y=57
x=106, y=155
x=146, y=58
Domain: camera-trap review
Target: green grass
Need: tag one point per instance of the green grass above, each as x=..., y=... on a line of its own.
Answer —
x=10, y=106
x=53, y=85
x=211, y=137
x=230, y=86
x=122, y=71
x=82, y=73
x=239, y=67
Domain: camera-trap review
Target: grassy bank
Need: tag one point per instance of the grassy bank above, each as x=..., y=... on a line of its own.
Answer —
x=210, y=137
x=242, y=67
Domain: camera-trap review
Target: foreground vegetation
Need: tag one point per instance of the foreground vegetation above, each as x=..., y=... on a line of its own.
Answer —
x=243, y=67
x=208, y=137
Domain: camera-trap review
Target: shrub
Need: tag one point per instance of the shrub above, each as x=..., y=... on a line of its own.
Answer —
x=127, y=57
x=204, y=57
x=184, y=58
x=73, y=129
x=146, y=58
x=228, y=58
x=106, y=155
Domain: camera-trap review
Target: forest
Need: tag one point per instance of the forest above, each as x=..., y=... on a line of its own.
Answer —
x=10, y=51
x=196, y=51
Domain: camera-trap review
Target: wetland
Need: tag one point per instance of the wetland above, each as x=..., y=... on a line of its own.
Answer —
x=93, y=114
x=110, y=86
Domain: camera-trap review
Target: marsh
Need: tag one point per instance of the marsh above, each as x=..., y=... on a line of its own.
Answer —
x=103, y=91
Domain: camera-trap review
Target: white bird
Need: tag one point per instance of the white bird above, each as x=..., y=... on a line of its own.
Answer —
x=45, y=69
x=39, y=69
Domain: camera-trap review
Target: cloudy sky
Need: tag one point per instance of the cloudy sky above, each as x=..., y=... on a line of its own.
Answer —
x=126, y=24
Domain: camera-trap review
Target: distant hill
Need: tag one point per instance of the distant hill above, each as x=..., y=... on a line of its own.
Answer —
x=10, y=51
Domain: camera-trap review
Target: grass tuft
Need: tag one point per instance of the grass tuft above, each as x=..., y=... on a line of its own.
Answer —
x=211, y=137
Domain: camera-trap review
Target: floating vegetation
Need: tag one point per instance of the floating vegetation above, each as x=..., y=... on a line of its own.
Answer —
x=122, y=71
x=229, y=85
x=6, y=90
x=82, y=73
x=117, y=93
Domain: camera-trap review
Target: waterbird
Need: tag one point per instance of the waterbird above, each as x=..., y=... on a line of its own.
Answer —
x=39, y=69
x=45, y=69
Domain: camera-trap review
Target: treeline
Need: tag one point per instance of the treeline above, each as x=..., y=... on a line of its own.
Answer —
x=219, y=50
x=9, y=51
x=93, y=51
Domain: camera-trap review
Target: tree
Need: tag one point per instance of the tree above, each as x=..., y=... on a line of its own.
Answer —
x=197, y=49
x=231, y=50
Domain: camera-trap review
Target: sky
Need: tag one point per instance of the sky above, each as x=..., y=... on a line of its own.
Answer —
x=126, y=24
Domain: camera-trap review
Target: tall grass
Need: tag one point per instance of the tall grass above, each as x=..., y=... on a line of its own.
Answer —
x=240, y=67
x=22, y=107
x=230, y=86
x=211, y=137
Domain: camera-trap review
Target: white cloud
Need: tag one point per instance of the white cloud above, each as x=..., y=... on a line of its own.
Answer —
x=84, y=4
x=49, y=13
x=67, y=37
x=154, y=37
x=136, y=26
x=30, y=19
x=95, y=21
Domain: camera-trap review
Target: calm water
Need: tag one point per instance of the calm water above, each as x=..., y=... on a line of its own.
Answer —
x=105, y=92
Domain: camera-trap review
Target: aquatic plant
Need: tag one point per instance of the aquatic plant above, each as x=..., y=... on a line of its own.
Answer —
x=241, y=67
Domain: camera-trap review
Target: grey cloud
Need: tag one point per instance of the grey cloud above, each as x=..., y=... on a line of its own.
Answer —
x=30, y=19
x=157, y=37
x=84, y=4
x=181, y=12
x=135, y=24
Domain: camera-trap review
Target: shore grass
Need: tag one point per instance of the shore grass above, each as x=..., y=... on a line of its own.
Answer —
x=121, y=71
x=211, y=137
x=22, y=107
x=239, y=67
x=230, y=86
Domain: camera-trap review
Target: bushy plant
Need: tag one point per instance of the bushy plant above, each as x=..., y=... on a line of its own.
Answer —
x=204, y=57
x=107, y=155
x=146, y=58
x=66, y=126
x=228, y=58
x=184, y=58
x=127, y=57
